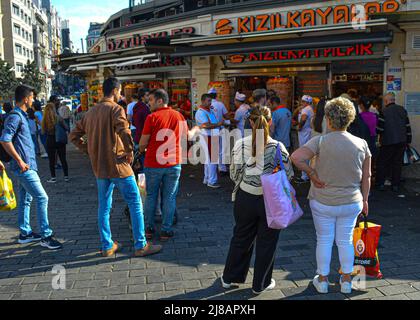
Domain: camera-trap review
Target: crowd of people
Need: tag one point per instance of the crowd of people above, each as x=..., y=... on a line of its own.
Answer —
x=337, y=144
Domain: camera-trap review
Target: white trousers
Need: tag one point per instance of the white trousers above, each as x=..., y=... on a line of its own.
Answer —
x=222, y=154
x=335, y=222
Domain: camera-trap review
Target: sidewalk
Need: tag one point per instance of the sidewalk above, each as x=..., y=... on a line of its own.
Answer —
x=191, y=263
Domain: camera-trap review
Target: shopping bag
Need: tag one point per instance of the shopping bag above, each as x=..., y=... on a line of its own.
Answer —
x=141, y=183
x=7, y=195
x=366, y=240
x=413, y=155
x=281, y=206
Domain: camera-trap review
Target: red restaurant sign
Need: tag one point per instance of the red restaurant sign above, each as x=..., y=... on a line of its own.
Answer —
x=355, y=50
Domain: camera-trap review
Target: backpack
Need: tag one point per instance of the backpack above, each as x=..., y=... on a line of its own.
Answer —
x=4, y=155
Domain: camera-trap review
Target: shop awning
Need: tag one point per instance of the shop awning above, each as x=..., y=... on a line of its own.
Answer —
x=280, y=44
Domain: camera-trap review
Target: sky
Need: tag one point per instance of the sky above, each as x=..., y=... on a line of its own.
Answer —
x=82, y=12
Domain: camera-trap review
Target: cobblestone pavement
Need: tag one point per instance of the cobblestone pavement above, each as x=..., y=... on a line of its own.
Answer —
x=191, y=263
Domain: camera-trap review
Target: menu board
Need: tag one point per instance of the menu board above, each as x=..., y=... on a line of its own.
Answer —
x=412, y=103
x=314, y=84
x=283, y=87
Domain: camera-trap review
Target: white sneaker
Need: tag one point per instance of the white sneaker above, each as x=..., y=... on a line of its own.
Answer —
x=52, y=180
x=345, y=286
x=270, y=287
x=44, y=155
x=320, y=286
x=214, y=186
x=224, y=284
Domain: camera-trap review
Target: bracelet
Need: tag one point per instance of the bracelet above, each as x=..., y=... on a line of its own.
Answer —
x=311, y=173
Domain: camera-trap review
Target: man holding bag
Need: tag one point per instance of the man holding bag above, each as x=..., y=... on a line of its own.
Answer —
x=16, y=139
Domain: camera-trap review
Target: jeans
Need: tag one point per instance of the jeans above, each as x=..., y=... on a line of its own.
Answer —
x=30, y=188
x=168, y=180
x=335, y=222
x=130, y=192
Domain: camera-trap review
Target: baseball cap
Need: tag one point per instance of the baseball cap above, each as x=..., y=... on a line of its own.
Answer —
x=240, y=97
x=307, y=99
x=212, y=91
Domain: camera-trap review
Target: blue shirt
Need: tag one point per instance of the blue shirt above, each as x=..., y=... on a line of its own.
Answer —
x=16, y=130
x=203, y=116
x=282, y=123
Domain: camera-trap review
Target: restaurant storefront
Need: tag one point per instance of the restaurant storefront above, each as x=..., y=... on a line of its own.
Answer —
x=292, y=48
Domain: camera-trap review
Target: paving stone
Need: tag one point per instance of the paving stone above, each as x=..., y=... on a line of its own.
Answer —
x=118, y=290
x=186, y=284
x=397, y=289
x=394, y=297
x=91, y=284
x=64, y=294
x=164, y=278
x=368, y=293
x=198, y=275
x=144, y=288
x=173, y=294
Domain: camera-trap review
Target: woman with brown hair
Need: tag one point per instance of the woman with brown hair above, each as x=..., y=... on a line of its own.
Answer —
x=56, y=130
x=252, y=157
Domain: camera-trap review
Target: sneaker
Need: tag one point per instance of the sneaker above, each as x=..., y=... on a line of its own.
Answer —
x=224, y=284
x=52, y=180
x=320, y=286
x=345, y=286
x=115, y=248
x=33, y=237
x=166, y=235
x=51, y=243
x=44, y=155
x=66, y=179
x=270, y=287
x=214, y=186
x=149, y=233
x=148, y=250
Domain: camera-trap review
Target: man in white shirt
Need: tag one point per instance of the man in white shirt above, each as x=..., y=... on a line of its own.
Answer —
x=222, y=116
x=130, y=107
x=207, y=121
x=241, y=111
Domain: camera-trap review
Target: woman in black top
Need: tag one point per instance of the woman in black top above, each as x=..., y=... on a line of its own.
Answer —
x=56, y=141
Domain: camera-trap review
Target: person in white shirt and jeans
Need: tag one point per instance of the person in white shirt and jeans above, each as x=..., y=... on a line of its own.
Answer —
x=222, y=116
x=130, y=108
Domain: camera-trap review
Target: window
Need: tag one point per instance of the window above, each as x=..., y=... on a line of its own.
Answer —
x=18, y=48
x=22, y=16
x=27, y=36
x=19, y=67
x=16, y=29
x=16, y=10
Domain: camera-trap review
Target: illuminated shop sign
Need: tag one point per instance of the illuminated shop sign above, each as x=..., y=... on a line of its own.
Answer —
x=360, y=50
x=304, y=18
x=164, y=62
x=138, y=40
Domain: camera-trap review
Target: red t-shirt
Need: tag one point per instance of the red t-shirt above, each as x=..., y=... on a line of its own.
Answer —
x=169, y=127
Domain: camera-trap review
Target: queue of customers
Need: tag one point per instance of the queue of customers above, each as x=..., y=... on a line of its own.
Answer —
x=333, y=154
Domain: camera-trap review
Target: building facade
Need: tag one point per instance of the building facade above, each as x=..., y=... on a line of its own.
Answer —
x=41, y=49
x=67, y=44
x=18, y=33
x=321, y=48
x=1, y=34
x=94, y=34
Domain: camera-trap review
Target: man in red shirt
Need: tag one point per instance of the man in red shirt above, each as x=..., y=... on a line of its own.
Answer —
x=165, y=132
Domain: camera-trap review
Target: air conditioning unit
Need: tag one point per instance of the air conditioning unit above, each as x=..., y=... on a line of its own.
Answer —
x=416, y=42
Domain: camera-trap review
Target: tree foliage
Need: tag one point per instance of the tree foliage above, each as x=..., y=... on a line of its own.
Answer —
x=32, y=76
x=8, y=81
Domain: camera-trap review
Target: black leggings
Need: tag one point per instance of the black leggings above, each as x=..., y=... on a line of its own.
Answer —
x=251, y=229
x=53, y=149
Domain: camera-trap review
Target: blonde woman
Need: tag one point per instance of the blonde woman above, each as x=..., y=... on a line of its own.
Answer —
x=339, y=190
x=251, y=157
x=55, y=146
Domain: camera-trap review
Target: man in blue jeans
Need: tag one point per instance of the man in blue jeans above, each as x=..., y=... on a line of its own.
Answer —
x=16, y=139
x=162, y=136
x=110, y=147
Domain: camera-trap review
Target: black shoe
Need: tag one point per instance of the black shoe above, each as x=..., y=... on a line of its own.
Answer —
x=51, y=243
x=166, y=235
x=33, y=237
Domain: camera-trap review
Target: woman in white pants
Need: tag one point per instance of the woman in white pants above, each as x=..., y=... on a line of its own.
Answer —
x=340, y=184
